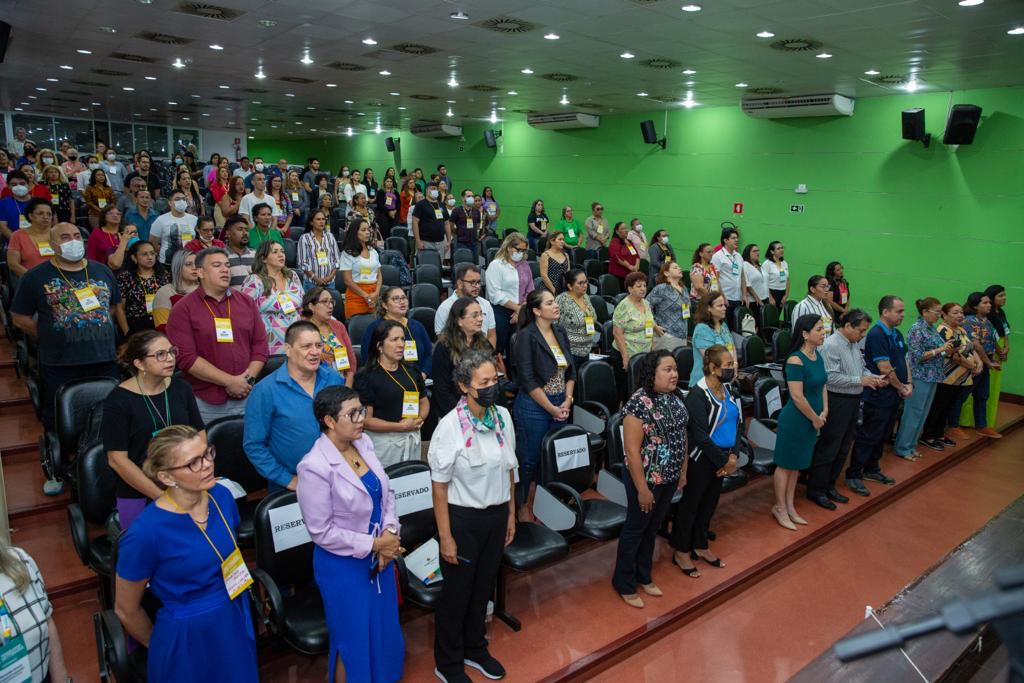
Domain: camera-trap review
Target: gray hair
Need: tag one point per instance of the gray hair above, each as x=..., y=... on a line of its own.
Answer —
x=178, y=265
x=470, y=361
x=210, y=251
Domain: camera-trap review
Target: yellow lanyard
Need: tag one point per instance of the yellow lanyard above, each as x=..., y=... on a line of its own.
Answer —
x=203, y=531
x=411, y=380
x=207, y=303
x=71, y=284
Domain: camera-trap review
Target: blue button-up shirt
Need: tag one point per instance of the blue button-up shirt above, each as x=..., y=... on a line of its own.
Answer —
x=144, y=223
x=884, y=344
x=279, y=424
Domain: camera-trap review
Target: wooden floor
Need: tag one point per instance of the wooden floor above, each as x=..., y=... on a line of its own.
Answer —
x=783, y=598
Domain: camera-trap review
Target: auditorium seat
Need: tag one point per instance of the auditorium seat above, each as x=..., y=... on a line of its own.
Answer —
x=760, y=431
x=596, y=390
x=389, y=276
x=429, y=273
x=770, y=321
x=74, y=404
x=226, y=435
x=533, y=547
x=425, y=295
x=96, y=502
x=416, y=528
x=780, y=344
x=424, y=316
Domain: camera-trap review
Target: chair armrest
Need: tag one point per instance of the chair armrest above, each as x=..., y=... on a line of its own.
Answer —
x=596, y=408
x=79, y=532
x=568, y=497
x=272, y=619
x=116, y=644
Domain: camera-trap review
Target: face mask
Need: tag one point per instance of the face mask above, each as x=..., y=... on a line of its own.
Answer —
x=468, y=200
x=111, y=156
x=259, y=167
x=728, y=375
x=451, y=201
x=344, y=173
x=19, y=190
x=638, y=227
x=47, y=161
x=72, y=158
x=131, y=241
x=487, y=396
x=180, y=205
x=93, y=167
x=518, y=256
x=73, y=251
x=433, y=194
x=179, y=162
x=664, y=240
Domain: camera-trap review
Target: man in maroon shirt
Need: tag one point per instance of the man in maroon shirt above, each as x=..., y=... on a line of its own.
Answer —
x=221, y=340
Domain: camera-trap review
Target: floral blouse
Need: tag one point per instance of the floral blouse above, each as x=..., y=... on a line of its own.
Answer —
x=573, y=321
x=277, y=309
x=982, y=330
x=953, y=372
x=634, y=326
x=708, y=275
x=284, y=203
x=61, y=192
x=139, y=293
x=671, y=309
x=663, y=448
x=923, y=337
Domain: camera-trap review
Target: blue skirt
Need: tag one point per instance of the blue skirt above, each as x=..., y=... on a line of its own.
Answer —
x=362, y=617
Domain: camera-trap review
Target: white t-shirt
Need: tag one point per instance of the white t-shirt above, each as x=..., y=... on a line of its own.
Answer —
x=351, y=192
x=729, y=267
x=441, y=315
x=756, y=280
x=364, y=270
x=250, y=200
x=174, y=232
x=478, y=474
x=242, y=173
x=777, y=275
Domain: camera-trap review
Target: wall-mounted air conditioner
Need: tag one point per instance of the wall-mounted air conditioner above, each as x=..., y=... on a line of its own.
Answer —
x=561, y=120
x=830, y=104
x=437, y=130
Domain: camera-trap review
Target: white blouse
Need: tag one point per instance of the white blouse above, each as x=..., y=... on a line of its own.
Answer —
x=364, y=270
x=502, y=280
x=477, y=475
x=778, y=275
x=756, y=280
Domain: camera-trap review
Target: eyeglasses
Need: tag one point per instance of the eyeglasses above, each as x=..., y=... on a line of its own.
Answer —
x=356, y=415
x=600, y=208
x=473, y=316
x=398, y=299
x=471, y=282
x=196, y=463
x=325, y=302
x=164, y=354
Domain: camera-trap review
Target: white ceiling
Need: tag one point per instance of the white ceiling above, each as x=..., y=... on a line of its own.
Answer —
x=949, y=47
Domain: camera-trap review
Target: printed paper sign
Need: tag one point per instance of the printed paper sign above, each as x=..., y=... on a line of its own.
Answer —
x=773, y=401
x=572, y=452
x=289, y=529
x=412, y=493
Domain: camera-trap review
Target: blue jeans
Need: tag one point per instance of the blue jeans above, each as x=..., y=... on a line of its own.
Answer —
x=502, y=329
x=307, y=284
x=532, y=425
x=915, y=410
x=472, y=246
x=979, y=391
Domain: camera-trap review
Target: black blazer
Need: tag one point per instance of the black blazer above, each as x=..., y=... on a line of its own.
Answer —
x=703, y=415
x=445, y=393
x=534, y=361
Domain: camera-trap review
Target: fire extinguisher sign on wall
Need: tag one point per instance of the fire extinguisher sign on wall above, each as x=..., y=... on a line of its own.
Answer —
x=737, y=208
x=238, y=149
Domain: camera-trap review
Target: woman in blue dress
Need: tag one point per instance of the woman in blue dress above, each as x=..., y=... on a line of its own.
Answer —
x=802, y=417
x=179, y=546
x=349, y=510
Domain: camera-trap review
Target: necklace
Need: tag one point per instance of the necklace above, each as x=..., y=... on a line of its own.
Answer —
x=353, y=461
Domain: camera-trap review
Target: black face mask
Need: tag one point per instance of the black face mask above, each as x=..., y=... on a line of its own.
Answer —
x=487, y=396
x=728, y=375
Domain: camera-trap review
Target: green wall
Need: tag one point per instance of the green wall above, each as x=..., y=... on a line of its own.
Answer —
x=903, y=219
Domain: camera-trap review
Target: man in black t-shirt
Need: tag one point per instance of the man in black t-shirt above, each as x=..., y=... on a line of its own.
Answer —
x=147, y=173
x=430, y=225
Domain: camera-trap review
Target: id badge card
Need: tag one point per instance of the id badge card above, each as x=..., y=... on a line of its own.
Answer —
x=15, y=665
x=87, y=298
x=285, y=301
x=23, y=222
x=410, y=353
x=469, y=223
x=589, y=322
x=45, y=249
x=735, y=268
x=410, y=404
x=222, y=327
x=438, y=214
x=389, y=202
x=187, y=237
x=149, y=302
x=101, y=202
x=559, y=356
x=686, y=311
x=632, y=249
x=236, y=575
x=571, y=233
x=714, y=284
x=649, y=328
x=365, y=275
x=295, y=196
x=341, y=361
x=55, y=199
x=321, y=258
x=782, y=276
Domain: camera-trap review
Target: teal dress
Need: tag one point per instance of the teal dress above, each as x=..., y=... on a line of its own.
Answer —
x=796, y=438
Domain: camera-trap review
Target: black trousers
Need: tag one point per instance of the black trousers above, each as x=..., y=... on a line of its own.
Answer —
x=938, y=414
x=700, y=498
x=879, y=419
x=775, y=296
x=635, y=555
x=459, y=630
x=833, y=443
x=54, y=377
x=730, y=307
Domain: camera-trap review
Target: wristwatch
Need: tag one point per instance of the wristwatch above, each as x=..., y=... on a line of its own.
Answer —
x=250, y=380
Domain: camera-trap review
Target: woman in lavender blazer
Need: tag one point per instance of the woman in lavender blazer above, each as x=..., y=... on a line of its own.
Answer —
x=349, y=510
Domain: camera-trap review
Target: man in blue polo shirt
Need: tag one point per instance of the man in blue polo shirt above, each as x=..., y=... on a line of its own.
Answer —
x=279, y=424
x=885, y=353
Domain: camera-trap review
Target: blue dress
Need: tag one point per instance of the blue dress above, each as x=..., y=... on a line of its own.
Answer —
x=797, y=437
x=362, y=615
x=200, y=634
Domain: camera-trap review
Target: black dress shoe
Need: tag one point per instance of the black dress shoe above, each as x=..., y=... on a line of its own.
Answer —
x=836, y=496
x=945, y=441
x=857, y=486
x=880, y=478
x=822, y=501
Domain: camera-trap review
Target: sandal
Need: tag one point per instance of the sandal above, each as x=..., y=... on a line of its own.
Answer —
x=692, y=572
x=717, y=562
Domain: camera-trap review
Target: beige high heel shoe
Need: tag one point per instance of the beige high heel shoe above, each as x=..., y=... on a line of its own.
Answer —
x=782, y=518
x=793, y=516
x=632, y=600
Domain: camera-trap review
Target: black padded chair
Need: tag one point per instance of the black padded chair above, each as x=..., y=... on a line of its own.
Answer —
x=357, y=326
x=790, y=305
x=759, y=437
x=425, y=295
x=780, y=345
x=232, y=463
x=97, y=500
x=534, y=268
x=417, y=529
x=462, y=256
x=533, y=547
x=74, y=403
x=608, y=287
x=600, y=308
x=293, y=609
x=634, y=371
x=339, y=304
x=752, y=352
x=390, y=276
x=684, y=364
x=273, y=363
x=490, y=254
x=115, y=661
x=607, y=337
x=598, y=519
x=397, y=243
x=400, y=231
x=739, y=314
x=593, y=268
x=596, y=390
x=428, y=257
x=424, y=316
x=429, y=274
x=770, y=321
x=579, y=256
x=291, y=252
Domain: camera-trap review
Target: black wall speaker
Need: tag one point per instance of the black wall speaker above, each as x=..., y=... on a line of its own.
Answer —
x=5, y=38
x=913, y=124
x=650, y=135
x=390, y=144
x=962, y=124
x=489, y=139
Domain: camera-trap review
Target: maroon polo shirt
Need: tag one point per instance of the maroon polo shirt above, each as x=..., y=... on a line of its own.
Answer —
x=191, y=328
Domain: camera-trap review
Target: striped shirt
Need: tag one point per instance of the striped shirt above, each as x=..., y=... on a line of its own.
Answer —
x=241, y=265
x=844, y=363
x=308, y=251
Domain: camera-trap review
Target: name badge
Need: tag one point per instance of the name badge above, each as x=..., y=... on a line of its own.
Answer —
x=101, y=202
x=735, y=268
x=492, y=210
x=24, y=223
x=365, y=275
x=285, y=301
x=341, y=361
x=686, y=311
x=843, y=297
x=223, y=331
x=187, y=237
x=714, y=284
x=149, y=302
x=55, y=199
x=410, y=403
x=438, y=214
x=589, y=322
x=571, y=233
x=15, y=665
x=295, y=196
x=410, y=353
x=236, y=575
x=649, y=328
x=559, y=356
x=45, y=249
x=389, y=202
x=782, y=276
x=632, y=250
x=321, y=258
x=327, y=226
x=469, y=223
x=826, y=323
x=87, y=298
x=600, y=228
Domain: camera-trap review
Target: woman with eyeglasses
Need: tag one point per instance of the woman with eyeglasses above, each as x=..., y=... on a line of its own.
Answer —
x=703, y=274
x=183, y=548
x=577, y=317
x=418, y=350
x=149, y=400
x=277, y=291
x=502, y=278
x=349, y=510
x=184, y=279
x=318, y=308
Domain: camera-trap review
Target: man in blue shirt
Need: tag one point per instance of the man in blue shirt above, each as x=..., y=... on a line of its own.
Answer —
x=885, y=353
x=279, y=424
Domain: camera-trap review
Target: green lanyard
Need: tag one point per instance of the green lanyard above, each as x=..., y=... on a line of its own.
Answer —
x=151, y=409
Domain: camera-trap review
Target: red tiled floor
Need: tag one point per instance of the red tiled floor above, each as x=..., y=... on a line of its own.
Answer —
x=19, y=426
x=74, y=623
x=47, y=538
x=24, y=478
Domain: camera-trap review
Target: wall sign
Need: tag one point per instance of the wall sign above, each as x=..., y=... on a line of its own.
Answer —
x=737, y=208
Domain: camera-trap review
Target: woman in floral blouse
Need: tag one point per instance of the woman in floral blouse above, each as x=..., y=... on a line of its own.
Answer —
x=983, y=336
x=577, y=317
x=277, y=291
x=703, y=275
x=139, y=279
x=654, y=439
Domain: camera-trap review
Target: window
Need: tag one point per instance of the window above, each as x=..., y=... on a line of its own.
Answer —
x=38, y=129
x=78, y=132
x=152, y=139
x=121, y=138
x=183, y=137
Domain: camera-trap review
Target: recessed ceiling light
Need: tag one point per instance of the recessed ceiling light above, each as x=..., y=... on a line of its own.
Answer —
x=151, y=109
x=460, y=15
x=205, y=114
x=912, y=85
x=178, y=64
x=266, y=23
x=289, y=94
x=551, y=36
x=128, y=88
x=348, y=101
x=195, y=96
x=394, y=94
x=66, y=67
x=970, y=3
x=384, y=72
x=84, y=52
x=224, y=87
x=449, y=113
x=527, y=71
x=41, y=89
x=348, y=132
x=97, y=104
x=741, y=85
x=765, y=34
x=170, y=103
x=215, y=46
x=150, y=78
x=259, y=73
x=331, y=85
x=564, y=100
x=452, y=83
x=627, y=55
x=185, y=118
x=52, y=80
x=108, y=29
x=87, y=109
x=1016, y=31
x=690, y=8
x=451, y=101
x=872, y=72
x=306, y=59
x=512, y=92
x=401, y=108
x=691, y=82
x=823, y=55
x=18, y=109
x=33, y=97
x=641, y=94
x=310, y=108
x=689, y=72
x=369, y=41
x=256, y=102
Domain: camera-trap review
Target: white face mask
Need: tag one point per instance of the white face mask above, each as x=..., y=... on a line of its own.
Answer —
x=180, y=205
x=111, y=156
x=73, y=250
x=178, y=162
x=518, y=256
x=344, y=173
x=93, y=167
x=259, y=167
x=19, y=190
x=468, y=200
x=639, y=227
x=664, y=239
x=47, y=161
x=433, y=194
x=451, y=201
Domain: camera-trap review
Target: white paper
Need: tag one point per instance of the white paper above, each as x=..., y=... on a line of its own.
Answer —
x=289, y=529
x=236, y=489
x=587, y=420
x=412, y=493
x=597, y=356
x=572, y=452
x=425, y=562
x=773, y=401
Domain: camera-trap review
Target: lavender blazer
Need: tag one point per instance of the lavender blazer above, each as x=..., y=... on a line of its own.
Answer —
x=335, y=505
